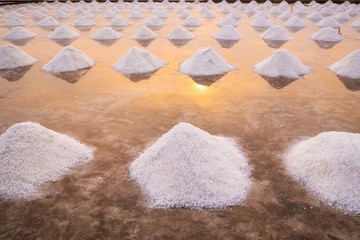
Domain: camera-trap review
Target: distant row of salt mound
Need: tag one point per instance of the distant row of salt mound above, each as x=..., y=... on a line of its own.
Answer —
x=205, y=62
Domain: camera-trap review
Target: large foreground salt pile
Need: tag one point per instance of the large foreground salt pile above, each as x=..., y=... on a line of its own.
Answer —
x=138, y=61
x=13, y=57
x=206, y=62
x=32, y=155
x=329, y=166
x=327, y=34
x=281, y=63
x=18, y=33
x=67, y=60
x=276, y=33
x=106, y=33
x=188, y=167
x=180, y=33
x=349, y=66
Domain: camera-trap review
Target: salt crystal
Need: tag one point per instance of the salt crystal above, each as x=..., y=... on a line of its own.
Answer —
x=349, y=66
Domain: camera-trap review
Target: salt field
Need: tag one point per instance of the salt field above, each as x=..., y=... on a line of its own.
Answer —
x=179, y=120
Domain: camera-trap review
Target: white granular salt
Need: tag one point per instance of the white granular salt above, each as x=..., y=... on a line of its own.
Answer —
x=48, y=22
x=106, y=33
x=276, y=33
x=18, y=33
x=285, y=15
x=329, y=166
x=83, y=22
x=180, y=33
x=136, y=14
x=154, y=21
x=138, y=61
x=227, y=21
x=118, y=21
x=61, y=15
x=144, y=33
x=188, y=167
x=356, y=24
x=349, y=66
x=206, y=62
x=38, y=15
x=14, y=22
x=13, y=57
x=32, y=155
x=63, y=32
x=227, y=32
x=294, y=21
x=191, y=21
x=261, y=22
x=281, y=63
x=328, y=22
x=67, y=60
x=327, y=34
x=315, y=16
x=209, y=14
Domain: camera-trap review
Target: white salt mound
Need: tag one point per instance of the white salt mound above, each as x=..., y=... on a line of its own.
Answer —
x=144, y=33
x=48, y=22
x=118, y=21
x=13, y=57
x=191, y=21
x=276, y=33
x=180, y=33
x=18, y=33
x=327, y=34
x=32, y=155
x=154, y=21
x=349, y=66
x=261, y=22
x=328, y=22
x=228, y=21
x=206, y=62
x=138, y=61
x=329, y=166
x=63, y=32
x=281, y=63
x=106, y=33
x=227, y=32
x=188, y=167
x=294, y=21
x=68, y=59
x=14, y=22
x=83, y=22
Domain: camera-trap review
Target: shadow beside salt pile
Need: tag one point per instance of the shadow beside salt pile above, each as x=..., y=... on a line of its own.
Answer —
x=260, y=28
x=64, y=42
x=137, y=77
x=14, y=74
x=275, y=43
x=144, y=43
x=350, y=83
x=294, y=29
x=227, y=43
x=20, y=42
x=48, y=28
x=179, y=43
x=107, y=43
x=83, y=29
x=279, y=82
x=207, y=80
x=71, y=76
x=325, y=44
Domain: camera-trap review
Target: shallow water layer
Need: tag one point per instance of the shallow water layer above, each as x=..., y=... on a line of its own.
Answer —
x=121, y=117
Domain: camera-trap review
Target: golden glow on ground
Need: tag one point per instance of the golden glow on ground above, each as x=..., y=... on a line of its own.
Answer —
x=200, y=87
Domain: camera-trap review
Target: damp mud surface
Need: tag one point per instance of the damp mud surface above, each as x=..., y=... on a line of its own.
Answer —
x=121, y=117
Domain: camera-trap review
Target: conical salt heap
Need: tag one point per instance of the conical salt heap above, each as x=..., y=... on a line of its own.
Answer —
x=328, y=165
x=38, y=15
x=227, y=32
x=32, y=155
x=276, y=33
x=14, y=22
x=154, y=21
x=180, y=33
x=83, y=22
x=138, y=61
x=209, y=14
x=281, y=64
x=188, y=167
x=67, y=60
x=285, y=16
x=110, y=14
x=227, y=21
x=328, y=22
x=327, y=34
x=348, y=67
x=191, y=21
x=18, y=33
x=261, y=22
x=48, y=22
x=13, y=57
x=61, y=15
x=136, y=14
x=206, y=62
x=118, y=21
x=106, y=33
x=315, y=16
x=63, y=32
x=144, y=33
x=295, y=21
x=356, y=24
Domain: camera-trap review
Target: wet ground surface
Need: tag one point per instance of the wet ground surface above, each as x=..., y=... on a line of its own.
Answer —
x=121, y=117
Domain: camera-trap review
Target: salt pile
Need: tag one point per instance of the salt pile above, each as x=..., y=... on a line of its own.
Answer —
x=48, y=22
x=138, y=61
x=281, y=64
x=276, y=33
x=83, y=22
x=13, y=57
x=67, y=60
x=188, y=167
x=328, y=22
x=206, y=62
x=136, y=14
x=315, y=16
x=18, y=33
x=32, y=155
x=14, y=22
x=63, y=32
x=356, y=24
x=329, y=166
x=180, y=33
x=285, y=16
x=191, y=21
x=209, y=14
x=349, y=66
x=227, y=32
x=154, y=22
x=295, y=21
x=327, y=34
x=144, y=33
x=106, y=33
x=261, y=22
x=118, y=21
x=38, y=15
x=228, y=21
